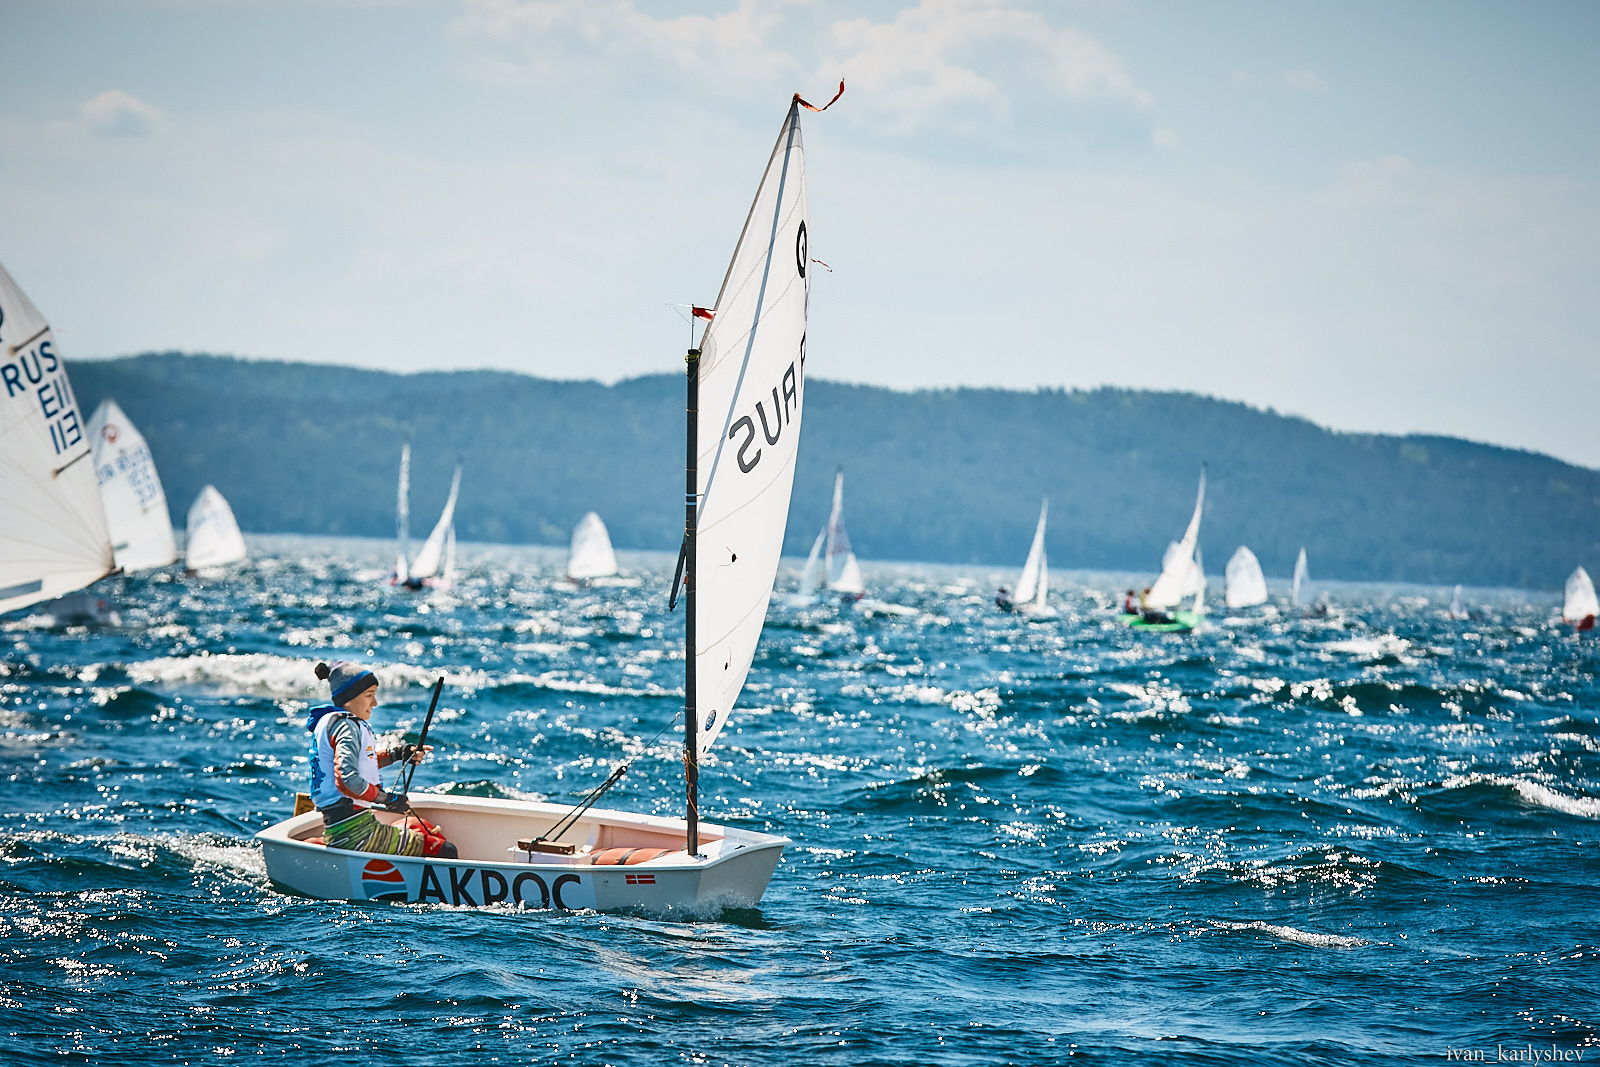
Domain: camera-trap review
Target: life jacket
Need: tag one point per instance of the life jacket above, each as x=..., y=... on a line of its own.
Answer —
x=325, y=789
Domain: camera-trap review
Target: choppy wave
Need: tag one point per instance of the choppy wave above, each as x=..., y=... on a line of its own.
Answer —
x=1298, y=937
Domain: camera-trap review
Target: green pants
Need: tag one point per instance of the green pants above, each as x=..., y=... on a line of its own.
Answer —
x=364, y=833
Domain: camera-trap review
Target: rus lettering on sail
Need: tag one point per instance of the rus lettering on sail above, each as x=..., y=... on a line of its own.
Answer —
x=38, y=370
x=785, y=406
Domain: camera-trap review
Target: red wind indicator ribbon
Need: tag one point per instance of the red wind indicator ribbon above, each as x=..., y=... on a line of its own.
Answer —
x=812, y=107
x=702, y=313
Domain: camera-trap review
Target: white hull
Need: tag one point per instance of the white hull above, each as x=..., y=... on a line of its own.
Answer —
x=732, y=870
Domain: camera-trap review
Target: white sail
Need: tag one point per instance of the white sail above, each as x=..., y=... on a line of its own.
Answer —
x=1300, y=576
x=1177, y=567
x=1458, y=607
x=130, y=489
x=844, y=573
x=752, y=387
x=1199, y=604
x=426, y=565
x=1034, y=585
x=402, y=515
x=1244, y=584
x=447, y=576
x=590, y=555
x=213, y=539
x=811, y=574
x=1580, y=600
x=53, y=535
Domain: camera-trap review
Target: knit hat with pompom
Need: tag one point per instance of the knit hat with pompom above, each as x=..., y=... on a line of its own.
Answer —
x=346, y=680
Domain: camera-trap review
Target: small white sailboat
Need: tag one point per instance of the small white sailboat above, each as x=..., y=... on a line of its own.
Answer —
x=749, y=369
x=590, y=555
x=1579, y=607
x=425, y=568
x=1244, y=584
x=844, y=573
x=130, y=489
x=402, y=519
x=1181, y=576
x=213, y=538
x=1300, y=576
x=53, y=534
x=805, y=593
x=1458, y=606
x=1032, y=594
x=1178, y=574
x=447, y=576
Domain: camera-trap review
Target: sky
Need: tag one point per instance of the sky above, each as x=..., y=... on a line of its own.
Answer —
x=1383, y=217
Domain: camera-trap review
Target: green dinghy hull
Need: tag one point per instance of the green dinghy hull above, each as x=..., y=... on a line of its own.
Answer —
x=1182, y=622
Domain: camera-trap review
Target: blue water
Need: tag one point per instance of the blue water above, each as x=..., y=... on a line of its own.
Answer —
x=1285, y=841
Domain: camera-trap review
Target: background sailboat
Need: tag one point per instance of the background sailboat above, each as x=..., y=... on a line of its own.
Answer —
x=424, y=569
x=130, y=489
x=590, y=554
x=805, y=593
x=1300, y=576
x=1179, y=577
x=1245, y=586
x=1032, y=595
x=402, y=518
x=1458, y=606
x=844, y=573
x=213, y=538
x=53, y=533
x=1579, y=607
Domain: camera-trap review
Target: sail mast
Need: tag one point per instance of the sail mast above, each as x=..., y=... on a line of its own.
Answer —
x=691, y=502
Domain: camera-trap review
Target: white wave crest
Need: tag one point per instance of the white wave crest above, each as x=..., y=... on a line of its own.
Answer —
x=1535, y=793
x=1299, y=937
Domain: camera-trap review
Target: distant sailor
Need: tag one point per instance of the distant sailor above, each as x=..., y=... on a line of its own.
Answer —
x=1151, y=614
x=1002, y=599
x=1130, y=603
x=345, y=784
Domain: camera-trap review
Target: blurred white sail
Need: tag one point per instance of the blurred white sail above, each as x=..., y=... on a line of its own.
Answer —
x=1245, y=586
x=751, y=374
x=1458, y=607
x=1033, y=587
x=213, y=539
x=1300, y=576
x=1580, y=603
x=130, y=489
x=426, y=565
x=844, y=573
x=811, y=573
x=590, y=555
x=53, y=534
x=402, y=516
x=1178, y=578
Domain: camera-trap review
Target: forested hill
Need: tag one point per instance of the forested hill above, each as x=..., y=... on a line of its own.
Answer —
x=938, y=475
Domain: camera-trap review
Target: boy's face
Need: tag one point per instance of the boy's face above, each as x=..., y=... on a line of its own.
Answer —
x=362, y=704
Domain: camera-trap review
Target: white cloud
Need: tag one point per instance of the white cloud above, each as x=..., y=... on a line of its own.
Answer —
x=926, y=60
x=1303, y=81
x=961, y=63
x=603, y=41
x=1164, y=138
x=115, y=113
